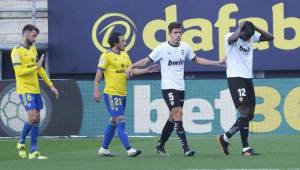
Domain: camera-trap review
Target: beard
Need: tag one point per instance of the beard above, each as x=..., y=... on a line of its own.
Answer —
x=29, y=42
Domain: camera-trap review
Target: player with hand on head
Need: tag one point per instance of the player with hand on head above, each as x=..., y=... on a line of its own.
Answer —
x=239, y=60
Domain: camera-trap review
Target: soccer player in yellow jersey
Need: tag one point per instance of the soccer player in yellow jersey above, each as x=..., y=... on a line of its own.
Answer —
x=27, y=69
x=113, y=64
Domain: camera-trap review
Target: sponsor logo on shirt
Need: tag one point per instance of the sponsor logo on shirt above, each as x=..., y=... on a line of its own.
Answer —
x=175, y=63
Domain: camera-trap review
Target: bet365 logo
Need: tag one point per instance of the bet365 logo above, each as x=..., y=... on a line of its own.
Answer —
x=110, y=22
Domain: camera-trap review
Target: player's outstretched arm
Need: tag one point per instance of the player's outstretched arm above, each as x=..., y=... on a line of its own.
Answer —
x=235, y=36
x=139, y=64
x=265, y=36
x=97, y=94
x=150, y=69
x=203, y=61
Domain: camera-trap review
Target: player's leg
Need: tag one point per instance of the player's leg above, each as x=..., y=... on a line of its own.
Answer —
x=34, y=118
x=109, y=133
x=168, y=127
x=247, y=113
x=119, y=113
x=177, y=116
x=120, y=124
x=26, y=128
x=235, y=88
x=110, y=129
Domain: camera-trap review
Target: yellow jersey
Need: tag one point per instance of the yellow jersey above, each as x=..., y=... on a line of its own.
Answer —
x=26, y=70
x=114, y=66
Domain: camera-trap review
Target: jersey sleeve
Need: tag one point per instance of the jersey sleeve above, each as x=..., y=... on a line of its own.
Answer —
x=17, y=64
x=42, y=73
x=256, y=37
x=103, y=62
x=155, y=55
x=190, y=53
x=129, y=63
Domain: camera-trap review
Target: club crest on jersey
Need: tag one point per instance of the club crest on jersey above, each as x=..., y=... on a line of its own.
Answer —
x=241, y=99
x=182, y=52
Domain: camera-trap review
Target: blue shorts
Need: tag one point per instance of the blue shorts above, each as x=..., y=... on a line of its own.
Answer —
x=31, y=101
x=115, y=105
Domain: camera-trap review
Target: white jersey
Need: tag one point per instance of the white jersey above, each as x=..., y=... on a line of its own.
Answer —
x=239, y=56
x=172, y=60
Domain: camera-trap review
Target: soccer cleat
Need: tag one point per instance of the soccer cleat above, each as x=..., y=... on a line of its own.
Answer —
x=105, y=152
x=249, y=152
x=160, y=150
x=224, y=145
x=133, y=153
x=21, y=150
x=36, y=155
x=189, y=153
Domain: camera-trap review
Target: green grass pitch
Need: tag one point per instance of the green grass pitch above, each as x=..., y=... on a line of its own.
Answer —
x=276, y=152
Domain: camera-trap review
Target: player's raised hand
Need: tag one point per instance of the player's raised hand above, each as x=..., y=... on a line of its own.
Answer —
x=97, y=96
x=40, y=62
x=153, y=68
x=55, y=91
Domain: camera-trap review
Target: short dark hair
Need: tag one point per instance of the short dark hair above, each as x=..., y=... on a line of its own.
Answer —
x=114, y=38
x=30, y=27
x=249, y=28
x=174, y=25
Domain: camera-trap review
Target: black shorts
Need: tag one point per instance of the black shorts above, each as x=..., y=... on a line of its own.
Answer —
x=173, y=98
x=242, y=91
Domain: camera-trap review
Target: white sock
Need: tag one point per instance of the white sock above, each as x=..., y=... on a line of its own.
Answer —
x=245, y=149
x=225, y=138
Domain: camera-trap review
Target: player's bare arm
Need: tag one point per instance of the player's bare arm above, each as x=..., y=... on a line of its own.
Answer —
x=150, y=69
x=203, y=61
x=97, y=94
x=265, y=36
x=139, y=64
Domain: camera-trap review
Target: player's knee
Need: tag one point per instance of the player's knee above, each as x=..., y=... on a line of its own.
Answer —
x=112, y=120
x=120, y=119
x=244, y=111
x=33, y=116
x=177, y=113
x=251, y=114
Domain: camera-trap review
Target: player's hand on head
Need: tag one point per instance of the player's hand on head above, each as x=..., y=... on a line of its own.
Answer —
x=242, y=24
x=153, y=68
x=40, y=62
x=97, y=96
x=55, y=91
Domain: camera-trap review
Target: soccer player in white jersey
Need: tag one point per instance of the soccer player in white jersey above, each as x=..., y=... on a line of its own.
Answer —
x=239, y=60
x=172, y=56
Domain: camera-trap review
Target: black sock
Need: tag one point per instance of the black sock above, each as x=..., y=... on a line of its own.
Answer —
x=234, y=128
x=166, y=132
x=181, y=135
x=244, y=130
